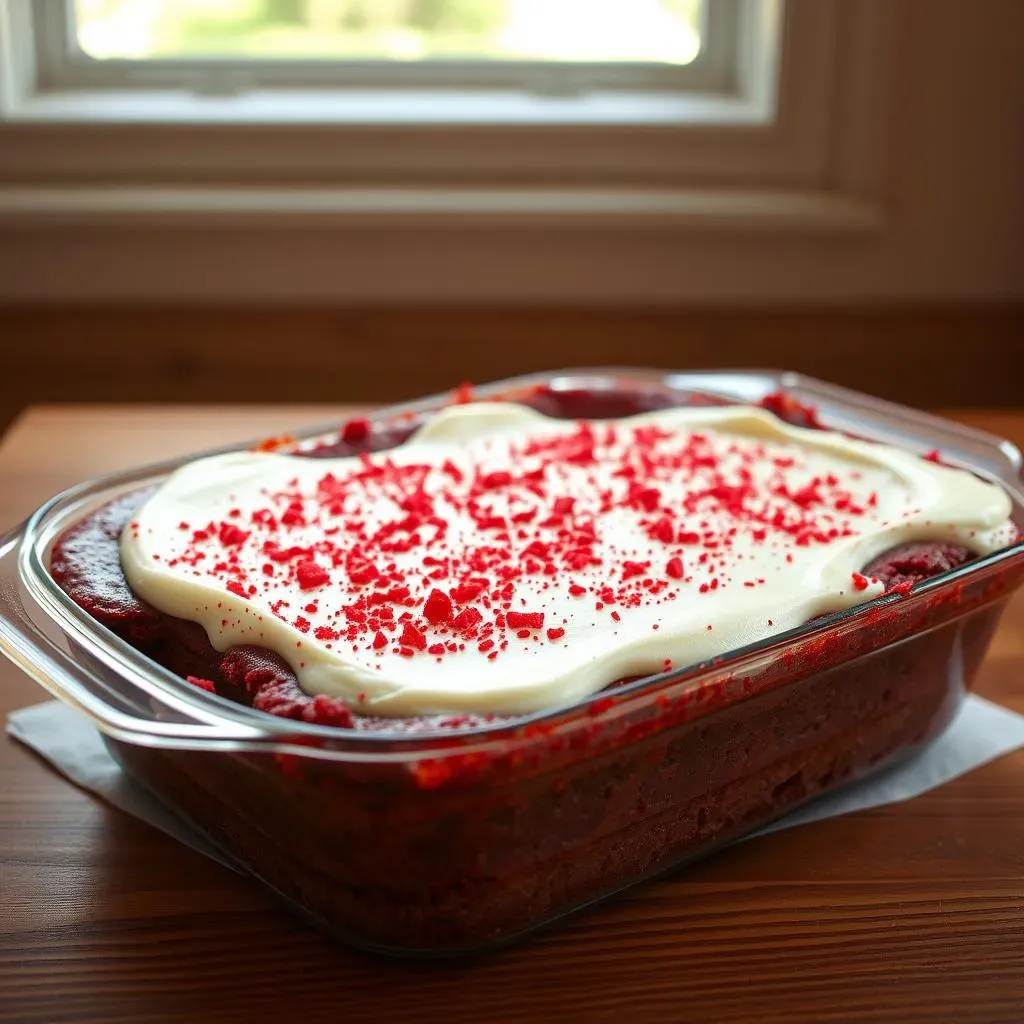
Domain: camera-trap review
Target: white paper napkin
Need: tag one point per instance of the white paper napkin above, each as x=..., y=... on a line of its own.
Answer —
x=980, y=733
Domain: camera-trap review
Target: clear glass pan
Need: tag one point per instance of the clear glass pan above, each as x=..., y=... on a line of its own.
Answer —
x=456, y=840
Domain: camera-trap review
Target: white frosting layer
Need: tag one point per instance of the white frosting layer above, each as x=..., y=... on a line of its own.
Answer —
x=680, y=535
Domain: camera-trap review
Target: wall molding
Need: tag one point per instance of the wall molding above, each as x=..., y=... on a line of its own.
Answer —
x=656, y=210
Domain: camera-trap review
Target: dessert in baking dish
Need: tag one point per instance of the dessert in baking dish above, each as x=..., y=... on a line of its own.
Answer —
x=501, y=562
x=443, y=589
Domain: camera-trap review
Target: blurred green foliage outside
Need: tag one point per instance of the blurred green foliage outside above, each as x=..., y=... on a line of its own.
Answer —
x=605, y=30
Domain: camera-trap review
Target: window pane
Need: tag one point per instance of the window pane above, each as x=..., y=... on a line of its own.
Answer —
x=665, y=31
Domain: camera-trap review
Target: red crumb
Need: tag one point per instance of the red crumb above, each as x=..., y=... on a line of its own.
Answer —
x=438, y=609
x=310, y=575
x=413, y=638
x=356, y=430
x=525, y=620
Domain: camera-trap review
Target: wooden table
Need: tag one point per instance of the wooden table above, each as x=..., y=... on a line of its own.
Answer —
x=907, y=913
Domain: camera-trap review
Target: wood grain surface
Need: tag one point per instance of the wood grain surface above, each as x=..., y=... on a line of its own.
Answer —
x=912, y=912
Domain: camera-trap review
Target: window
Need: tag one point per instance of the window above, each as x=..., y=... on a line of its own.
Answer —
x=567, y=61
x=659, y=31
x=661, y=115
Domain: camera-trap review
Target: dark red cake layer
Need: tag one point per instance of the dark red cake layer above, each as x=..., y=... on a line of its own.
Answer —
x=910, y=563
x=391, y=862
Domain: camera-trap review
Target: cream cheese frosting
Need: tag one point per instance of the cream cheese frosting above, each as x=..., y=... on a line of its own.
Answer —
x=501, y=561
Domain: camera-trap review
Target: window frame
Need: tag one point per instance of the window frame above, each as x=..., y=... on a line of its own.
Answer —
x=65, y=66
x=795, y=139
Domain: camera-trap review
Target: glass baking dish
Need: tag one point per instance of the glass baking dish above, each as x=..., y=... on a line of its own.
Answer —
x=455, y=841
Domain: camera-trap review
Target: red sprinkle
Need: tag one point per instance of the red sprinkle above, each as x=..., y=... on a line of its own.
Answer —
x=663, y=530
x=438, y=609
x=525, y=620
x=631, y=569
x=356, y=430
x=499, y=478
x=231, y=536
x=412, y=637
x=310, y=575
x=467, y=619
x=556, y=633
x=466, y=592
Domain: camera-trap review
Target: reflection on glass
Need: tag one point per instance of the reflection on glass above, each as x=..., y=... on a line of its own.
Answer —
x=558, y=30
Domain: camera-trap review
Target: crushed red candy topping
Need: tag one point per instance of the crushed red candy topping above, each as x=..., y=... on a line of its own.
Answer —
x=525, y=620
x=309, y=575
x=438, y=608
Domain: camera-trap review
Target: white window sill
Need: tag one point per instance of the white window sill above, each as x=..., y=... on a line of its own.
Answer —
x=377, y=107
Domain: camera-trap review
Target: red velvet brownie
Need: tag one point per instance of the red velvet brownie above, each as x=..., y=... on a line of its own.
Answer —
x=456, y=838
